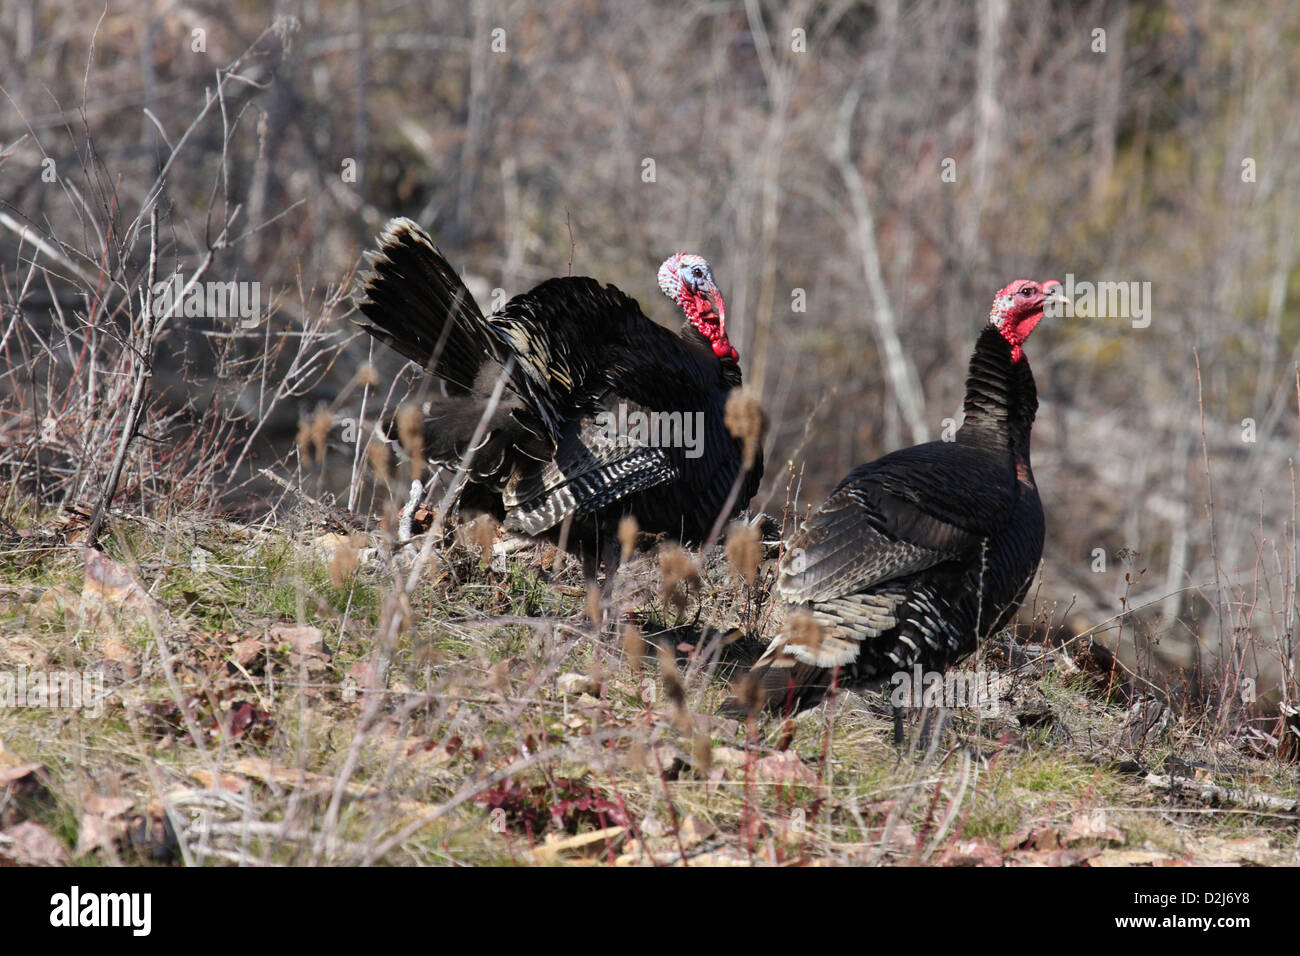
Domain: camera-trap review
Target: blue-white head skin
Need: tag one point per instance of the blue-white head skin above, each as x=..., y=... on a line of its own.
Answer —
x=1018, y=308
x=687, y=279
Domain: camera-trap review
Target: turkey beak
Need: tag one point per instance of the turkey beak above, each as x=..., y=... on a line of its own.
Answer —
x=719, y=306
x=1053, y=298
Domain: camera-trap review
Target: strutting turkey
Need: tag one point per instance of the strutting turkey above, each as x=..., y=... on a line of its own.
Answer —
x=919, y=555
x=601, y=412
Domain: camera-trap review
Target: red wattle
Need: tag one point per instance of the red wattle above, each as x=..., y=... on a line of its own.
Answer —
x=707, y=322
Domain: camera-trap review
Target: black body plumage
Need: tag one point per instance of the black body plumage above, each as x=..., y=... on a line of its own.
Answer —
x=585, y=361
x=918, y=555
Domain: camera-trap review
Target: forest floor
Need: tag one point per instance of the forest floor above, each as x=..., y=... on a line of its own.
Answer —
x=263, y=694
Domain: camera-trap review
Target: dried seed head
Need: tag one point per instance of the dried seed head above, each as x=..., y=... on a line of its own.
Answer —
x=745, y=420
x=389, y=519
x=633, y=647
x=344, y=561
x=367, y=375
x=627, y=532
x=636, y=755
x=744, y=551
x=748, y=693
x=672, y=681
x=481, y=533
x=410, y=432
x=303, y=440
x=380, y=458
x=733, y=635
x=804, y=629
x=680, y=574
x=394, y=617
x=321, y=423
x=702, y=752
x=593, y=604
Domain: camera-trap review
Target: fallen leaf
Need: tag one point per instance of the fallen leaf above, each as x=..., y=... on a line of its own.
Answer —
x=115, y=649
x=497, y=678
x=262, y=769
x=594, y=843
x=902, y=837
x=360, y=673
x=694, y=831
x=978, y=852
x=1092, y=825
x=730, y=756
x=244, y=719
x=30, y=844
x=96, y=832
x=304, y=640
x=1256, y=849
x=214, y=781
x=26, y=651
x=109, y=587
x=52, y=605
x=573, y=684
x=722, y=726
x=12, y=775
x=1035, y=838
x=105, y=806
x=783, y=768
x=247, y=651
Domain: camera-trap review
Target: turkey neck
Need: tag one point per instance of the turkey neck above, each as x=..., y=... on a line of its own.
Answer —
x=1000, y=397
x=730, y=371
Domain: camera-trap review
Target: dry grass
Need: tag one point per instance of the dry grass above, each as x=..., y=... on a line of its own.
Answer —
x=261, y=701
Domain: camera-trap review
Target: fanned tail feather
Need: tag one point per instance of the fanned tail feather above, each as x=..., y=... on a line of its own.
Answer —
x=413, y=300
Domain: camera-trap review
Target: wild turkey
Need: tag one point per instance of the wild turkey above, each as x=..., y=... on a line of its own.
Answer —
x=919, y=555
x=601, y=413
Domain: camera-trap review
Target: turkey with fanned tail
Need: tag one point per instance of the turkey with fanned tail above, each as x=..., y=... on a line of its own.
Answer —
x=584, y=410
